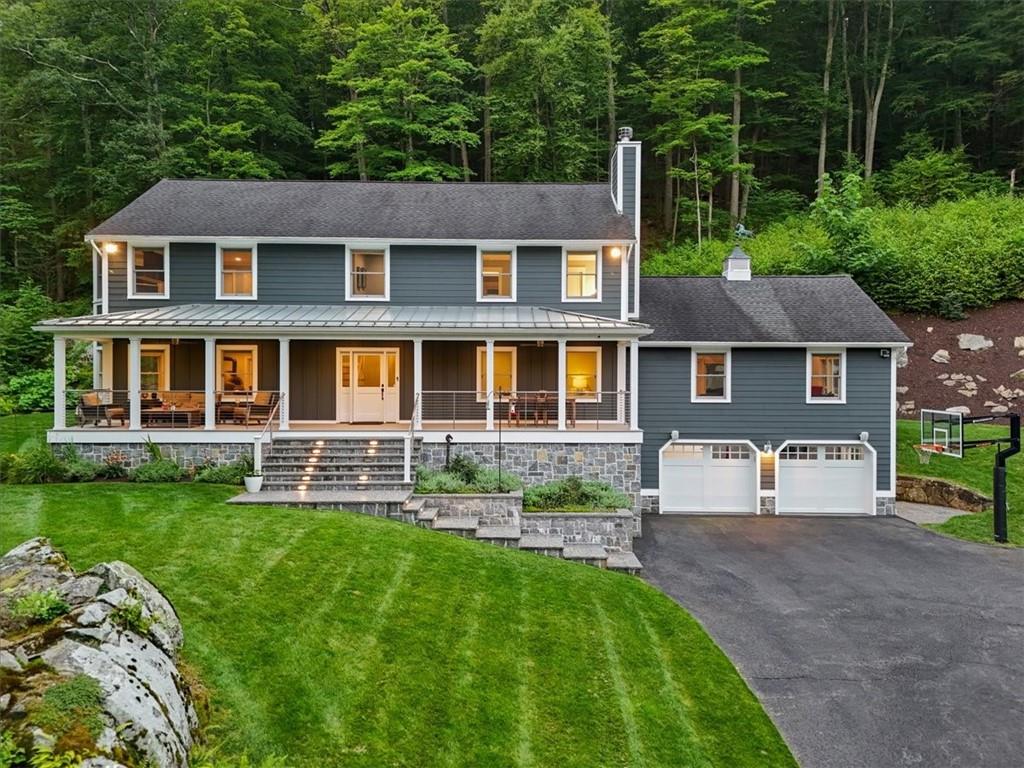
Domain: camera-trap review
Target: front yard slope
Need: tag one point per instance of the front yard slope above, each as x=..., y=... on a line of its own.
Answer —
x=333, y=639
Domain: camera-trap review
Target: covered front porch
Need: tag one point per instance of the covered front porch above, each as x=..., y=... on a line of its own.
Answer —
x=412, y=369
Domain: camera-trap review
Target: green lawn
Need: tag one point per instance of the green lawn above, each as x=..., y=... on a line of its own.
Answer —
x=974, y=470
x=22, y=429
x=339, y=639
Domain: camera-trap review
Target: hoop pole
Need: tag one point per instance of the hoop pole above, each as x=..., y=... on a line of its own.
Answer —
x=999, y=480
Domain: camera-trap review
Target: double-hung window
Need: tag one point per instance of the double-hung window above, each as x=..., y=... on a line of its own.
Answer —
x=236, y=271
x=826, y=376
x=504, y=372
x=237, y=370
x=583, y=373
x=581, y=275
x=367, y=277
x=148, y=276
x=496, y=275
x=710, y=376
x=154, y=367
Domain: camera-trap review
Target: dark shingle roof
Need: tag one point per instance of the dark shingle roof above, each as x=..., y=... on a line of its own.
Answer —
x=371, y=209
x=800, y=310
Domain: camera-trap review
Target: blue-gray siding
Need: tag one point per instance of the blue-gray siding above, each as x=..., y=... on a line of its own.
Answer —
x=315, y=274
x=768, y=403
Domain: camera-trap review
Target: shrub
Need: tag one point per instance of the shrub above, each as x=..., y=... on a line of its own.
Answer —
x=34, y=465
x=40, y=607
x=72, y=705
x=157, y=471
x=432, y=481
x=130, y=616
x=10, y=753
x=114, y=466
x=45, y=757
x=81, y=471
x=463, y=467
x=153, y=450
x=486, y=481
x=466, y=476
x=228, y=474
x=574, y=495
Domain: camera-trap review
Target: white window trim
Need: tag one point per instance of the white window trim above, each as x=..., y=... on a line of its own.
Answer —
x=254, y=348
x=132, y=245
x=221, y=245
x=479, y=273
x=352, y=248
x=599, y=250
x=164, y=384
x=600, y=355
x=694, y=397
x=841, y=400
x=481, y=397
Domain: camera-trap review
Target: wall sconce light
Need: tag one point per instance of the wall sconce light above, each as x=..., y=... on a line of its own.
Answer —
x=110, y=247
x=767, y=450
x=674, y=434
x=616, y=251
x=864, y=436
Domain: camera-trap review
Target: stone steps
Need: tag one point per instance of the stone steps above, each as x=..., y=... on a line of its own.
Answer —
x=338, y=465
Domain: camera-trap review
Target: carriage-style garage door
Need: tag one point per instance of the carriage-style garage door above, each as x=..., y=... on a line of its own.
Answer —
x=825, y=480
x=708, y=478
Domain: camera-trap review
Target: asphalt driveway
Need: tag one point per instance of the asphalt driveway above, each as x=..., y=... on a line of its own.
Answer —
x=870, y=642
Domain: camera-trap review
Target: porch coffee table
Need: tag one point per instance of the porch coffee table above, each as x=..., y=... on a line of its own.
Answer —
x=177, y=417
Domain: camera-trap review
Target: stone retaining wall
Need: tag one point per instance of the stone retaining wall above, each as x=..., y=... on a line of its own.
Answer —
x=614, y=530
x=491, y=508
x=186, y=454
x=930, y=490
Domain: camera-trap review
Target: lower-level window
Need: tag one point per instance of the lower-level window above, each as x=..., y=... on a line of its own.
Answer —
x=154, y=367
x=504, y=371
x=236, y=368
x=583, y=373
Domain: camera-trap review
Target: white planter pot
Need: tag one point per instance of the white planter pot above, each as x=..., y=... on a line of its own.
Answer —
x=253, y=484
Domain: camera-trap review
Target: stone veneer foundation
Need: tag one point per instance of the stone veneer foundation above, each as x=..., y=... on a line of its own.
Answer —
x=883, y=506
x=186, y=454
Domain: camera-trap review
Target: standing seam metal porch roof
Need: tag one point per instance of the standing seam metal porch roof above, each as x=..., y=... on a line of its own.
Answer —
x=346, y=317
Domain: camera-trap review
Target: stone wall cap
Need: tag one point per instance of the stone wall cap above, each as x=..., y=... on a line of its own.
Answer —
x=618, y=513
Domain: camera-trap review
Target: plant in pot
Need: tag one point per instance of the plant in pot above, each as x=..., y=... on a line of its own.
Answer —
x=253, y=481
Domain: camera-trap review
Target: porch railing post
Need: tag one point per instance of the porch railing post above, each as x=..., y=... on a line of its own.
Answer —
x=634, y=382
x=257, y=454
x=134, y=383
x=407, y=459
x=620, y=382
x=284, y=383
x=417, y=382
x=561, y=384
x=490, y=385
x=210, y=382
x=60, y=413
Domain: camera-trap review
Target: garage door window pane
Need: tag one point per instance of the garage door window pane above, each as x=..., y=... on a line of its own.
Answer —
x=799, y=453
x=711, y=374
x=844, y=453
x=685, y=451
x=733, y=452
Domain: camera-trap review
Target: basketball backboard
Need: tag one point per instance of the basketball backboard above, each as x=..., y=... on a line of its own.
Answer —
x=942, y=432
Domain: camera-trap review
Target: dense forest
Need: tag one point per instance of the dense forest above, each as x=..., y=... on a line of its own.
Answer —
x=745, y=107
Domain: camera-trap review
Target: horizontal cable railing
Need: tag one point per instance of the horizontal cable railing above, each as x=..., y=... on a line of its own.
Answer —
x=525, y=408
x=96, y=407
x=171, y=409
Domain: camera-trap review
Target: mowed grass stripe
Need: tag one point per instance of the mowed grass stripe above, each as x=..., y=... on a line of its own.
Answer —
x=620, y=689
x=334, y=639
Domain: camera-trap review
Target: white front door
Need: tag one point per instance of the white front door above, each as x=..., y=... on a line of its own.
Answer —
x=368, y=385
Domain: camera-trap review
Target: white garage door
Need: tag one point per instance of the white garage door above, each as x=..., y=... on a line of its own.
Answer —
x=706, y=479
x=824, y=480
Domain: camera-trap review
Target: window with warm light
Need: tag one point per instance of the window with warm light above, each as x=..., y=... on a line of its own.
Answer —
x=496, y=276
x=581, y=278
x=236, y=369
x=148, y=266
x=237, y=273
x=826, y=377
x=583, y=373
x=368, y=274
x=504, y=371
x=154, y=368
x=710, y=376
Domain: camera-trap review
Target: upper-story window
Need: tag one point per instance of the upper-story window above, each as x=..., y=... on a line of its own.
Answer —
x=710, y=376
x=496, y=275
x=367, y=278
x=148, y=276
x=581, y=275
x=236, y=272
x=826, y=376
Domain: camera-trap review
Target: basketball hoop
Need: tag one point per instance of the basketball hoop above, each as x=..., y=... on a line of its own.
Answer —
x=925, y=451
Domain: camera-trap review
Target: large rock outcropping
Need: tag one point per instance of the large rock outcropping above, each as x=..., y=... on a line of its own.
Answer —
x=118, y=630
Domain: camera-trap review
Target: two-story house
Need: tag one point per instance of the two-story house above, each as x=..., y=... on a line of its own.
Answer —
x=495, y=317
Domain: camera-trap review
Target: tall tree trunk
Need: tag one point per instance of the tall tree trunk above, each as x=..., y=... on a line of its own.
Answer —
x=465, y=161
x=826, y=76
x=745, y=198
x=696, y=194
x=848, y=83
x=873, y=91
x=669, y=203
x=734, y=190
x=711, y=209
x=610, y=78
x=487, y=127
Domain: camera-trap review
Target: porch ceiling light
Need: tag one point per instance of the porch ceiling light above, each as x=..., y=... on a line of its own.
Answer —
x=616, y=251
x=110, y=247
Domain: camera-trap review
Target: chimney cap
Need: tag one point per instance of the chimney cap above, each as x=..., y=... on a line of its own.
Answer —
x=625, y=133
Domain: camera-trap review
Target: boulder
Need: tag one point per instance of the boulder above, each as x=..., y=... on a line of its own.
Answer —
x=967, y=392
x=1017, y=374
x=930, y=490
x=942, y=376
x=902, y=359
x=147, y=710
x=973, y=342
x=902, y=390
x=981, y=378
x=961, y=409
x=998, y=409
x=1018, y=342
x=941, y=356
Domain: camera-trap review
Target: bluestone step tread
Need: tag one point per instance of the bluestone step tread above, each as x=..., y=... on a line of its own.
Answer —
x=499, y=532
x=456, y=523
x=541, y=541
x=584, y=552
x=330, y=497
x=624, y=561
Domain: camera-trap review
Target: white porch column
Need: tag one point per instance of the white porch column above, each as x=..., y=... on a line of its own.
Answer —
x=97, y=365
x=634, y=383
x=620, y=382
x=60, y=414
x=417, y=382
x=490, y=384
x=210, y=382
x=284, y=379
x=134, y=383
x=561, y=384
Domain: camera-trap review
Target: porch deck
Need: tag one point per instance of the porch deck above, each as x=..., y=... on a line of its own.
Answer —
x=335, y=427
